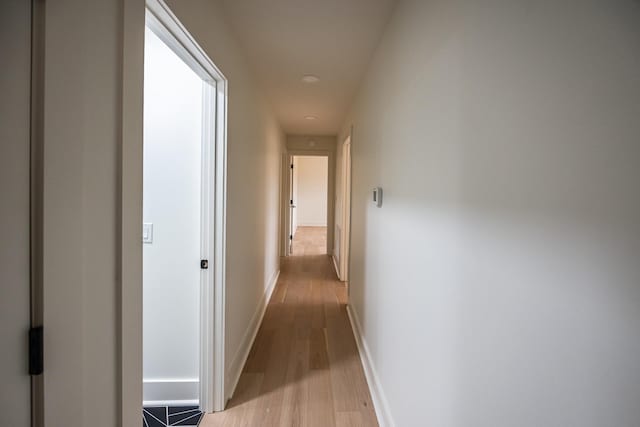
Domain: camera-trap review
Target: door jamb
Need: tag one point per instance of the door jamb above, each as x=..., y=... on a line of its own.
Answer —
x=291, y=170
x=345, y=235
x=212, y=299
x=330, y=155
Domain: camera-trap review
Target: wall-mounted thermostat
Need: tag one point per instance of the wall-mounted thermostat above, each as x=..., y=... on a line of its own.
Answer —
x=377, y=196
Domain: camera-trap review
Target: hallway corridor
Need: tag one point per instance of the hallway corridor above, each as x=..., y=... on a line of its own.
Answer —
x=304, y=368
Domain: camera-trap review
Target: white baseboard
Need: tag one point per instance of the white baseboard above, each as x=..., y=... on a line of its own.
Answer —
x=380, y=403
x=161, y=392
x=312, y=224
x=335, y=265
x=240, y=358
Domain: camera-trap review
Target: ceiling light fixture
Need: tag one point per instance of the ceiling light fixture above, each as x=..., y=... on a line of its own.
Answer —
x=310, y=117
x=310, y=78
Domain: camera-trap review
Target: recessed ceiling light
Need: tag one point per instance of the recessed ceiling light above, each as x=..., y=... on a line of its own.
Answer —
x=310, y=117
x=310, y=78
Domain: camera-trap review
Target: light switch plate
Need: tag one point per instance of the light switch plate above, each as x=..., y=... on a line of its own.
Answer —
x=147, y=232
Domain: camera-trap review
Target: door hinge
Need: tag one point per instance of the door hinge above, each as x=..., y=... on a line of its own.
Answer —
x=291, y=202
x=290, y=236
x=36, y=350
x=291, y=165
x=204, y=264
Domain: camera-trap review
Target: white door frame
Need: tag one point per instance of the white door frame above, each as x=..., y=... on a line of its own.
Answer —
x=291, y=205
x=168, y=28
x=345, y=235
x=330, y=155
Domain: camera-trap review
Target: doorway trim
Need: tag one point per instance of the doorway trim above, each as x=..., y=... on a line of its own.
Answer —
x=345, y=235
x=168, y=28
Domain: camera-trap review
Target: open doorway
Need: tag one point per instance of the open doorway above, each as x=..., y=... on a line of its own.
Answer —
x=308, y=204
x=183, y=225
x=172, y=229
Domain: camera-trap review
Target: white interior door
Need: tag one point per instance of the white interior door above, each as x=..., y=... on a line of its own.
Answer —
x=15, y=51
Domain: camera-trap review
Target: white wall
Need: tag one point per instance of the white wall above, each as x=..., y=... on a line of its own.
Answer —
x=172, y=203
x=15, y=38
x=499, y=284
x=255, y=147
x=92, y=248
x=311, y=199
x=90, y=120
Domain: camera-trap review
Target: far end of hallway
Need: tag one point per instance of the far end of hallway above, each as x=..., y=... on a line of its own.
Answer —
x=310, y=241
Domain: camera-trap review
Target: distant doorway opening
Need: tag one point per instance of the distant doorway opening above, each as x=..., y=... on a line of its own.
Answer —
x=308, y=203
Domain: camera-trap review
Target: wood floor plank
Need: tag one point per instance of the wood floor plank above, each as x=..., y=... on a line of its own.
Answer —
x=350, y=419
x=347, y=394
x=303, y=368
x=317, y=306
x=239, y=412
x=320, y=408
x=318, y=357
x=310, y=241
x=296, y=387
x=269, y=405
x=260, y=351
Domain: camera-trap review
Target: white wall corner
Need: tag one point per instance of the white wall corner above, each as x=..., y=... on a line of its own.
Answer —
x=380, y=403
x=235, y=368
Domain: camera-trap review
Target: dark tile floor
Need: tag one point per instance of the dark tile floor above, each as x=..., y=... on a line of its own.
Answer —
x=164, y=416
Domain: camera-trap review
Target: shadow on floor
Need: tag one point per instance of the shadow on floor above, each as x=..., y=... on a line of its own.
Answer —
x=304, y=354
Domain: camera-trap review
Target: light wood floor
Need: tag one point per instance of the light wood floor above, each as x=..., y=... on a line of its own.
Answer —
x=310, y=241
x=304, y=368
